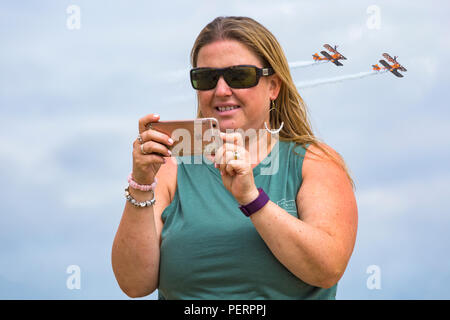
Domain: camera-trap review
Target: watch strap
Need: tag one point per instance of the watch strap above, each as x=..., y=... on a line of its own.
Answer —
x=256, y=204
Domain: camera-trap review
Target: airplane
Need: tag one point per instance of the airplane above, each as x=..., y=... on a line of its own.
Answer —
x=334, y=57
x=394, y=68
x=376, y=67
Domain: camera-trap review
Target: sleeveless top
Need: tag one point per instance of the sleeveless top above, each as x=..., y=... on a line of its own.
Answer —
x=210, y=250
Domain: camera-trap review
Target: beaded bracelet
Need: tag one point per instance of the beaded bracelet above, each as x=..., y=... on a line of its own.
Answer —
x=142, y=187
x=136, y=203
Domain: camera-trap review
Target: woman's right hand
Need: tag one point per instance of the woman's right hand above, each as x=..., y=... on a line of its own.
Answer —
x=148, y=155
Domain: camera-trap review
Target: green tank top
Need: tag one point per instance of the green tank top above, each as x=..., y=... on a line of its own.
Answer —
x=211, y=250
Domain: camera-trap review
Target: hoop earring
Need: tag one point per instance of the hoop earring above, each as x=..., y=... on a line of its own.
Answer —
x=273, y=107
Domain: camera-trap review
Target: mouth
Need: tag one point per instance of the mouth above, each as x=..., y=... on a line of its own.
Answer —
x=227, y=110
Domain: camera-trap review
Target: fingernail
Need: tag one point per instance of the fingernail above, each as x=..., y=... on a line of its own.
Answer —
x=156, y=115
x=170, y=141
x=169, y=152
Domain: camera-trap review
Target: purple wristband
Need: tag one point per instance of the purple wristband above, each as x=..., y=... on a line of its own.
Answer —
x=256, y=204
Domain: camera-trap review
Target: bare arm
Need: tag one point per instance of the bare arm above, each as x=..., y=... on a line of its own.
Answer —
x=136, y=248
x=135, y=253
x=316, y=247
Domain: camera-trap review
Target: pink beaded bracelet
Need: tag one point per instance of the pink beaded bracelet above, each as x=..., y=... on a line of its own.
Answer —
x=142, y=187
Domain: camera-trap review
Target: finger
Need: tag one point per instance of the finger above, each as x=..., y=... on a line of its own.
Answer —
x=220, y=156
x=233, y=142
x=233, y=138
x=230, y=152
x=148, y=159
x=231, y=162
x=210, y=151
x=228, y=146
x=154, y=158
x=239, y=141
x=235, y=167
x=230, y=167
x=144, y=121
x=153, y=135
x=143, y=160
x=229, y=157
x=154, y=147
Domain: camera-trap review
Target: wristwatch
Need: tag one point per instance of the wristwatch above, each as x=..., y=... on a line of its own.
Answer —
x=256, y=204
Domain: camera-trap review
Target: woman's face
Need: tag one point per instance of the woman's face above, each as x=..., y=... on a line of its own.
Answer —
x=253, y=103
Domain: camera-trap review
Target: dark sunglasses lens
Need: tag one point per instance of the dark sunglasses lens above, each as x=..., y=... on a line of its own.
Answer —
x=204, y=79
x=241, y=77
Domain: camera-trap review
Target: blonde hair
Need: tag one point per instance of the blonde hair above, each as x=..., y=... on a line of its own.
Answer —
x=290, y=107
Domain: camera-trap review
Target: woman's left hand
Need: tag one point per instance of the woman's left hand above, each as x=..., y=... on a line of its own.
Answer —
x=234, y=163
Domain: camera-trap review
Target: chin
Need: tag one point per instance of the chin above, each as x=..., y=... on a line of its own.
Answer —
x=229, y=124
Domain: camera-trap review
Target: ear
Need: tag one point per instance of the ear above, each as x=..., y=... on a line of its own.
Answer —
x=274, y=86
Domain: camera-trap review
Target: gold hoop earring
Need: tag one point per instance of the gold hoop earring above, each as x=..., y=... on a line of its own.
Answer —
x=273, y=107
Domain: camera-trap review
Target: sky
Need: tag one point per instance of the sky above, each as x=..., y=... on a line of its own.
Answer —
x=71, y=96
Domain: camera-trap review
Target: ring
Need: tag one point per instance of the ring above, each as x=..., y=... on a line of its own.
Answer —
x=236, y=155
x=140, y=138
x=142, y=150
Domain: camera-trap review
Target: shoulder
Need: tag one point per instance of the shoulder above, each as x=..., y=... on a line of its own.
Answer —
x=316, y=156
x=327, y=188
x=321, y=151
x=321, y=159
x=325, y=172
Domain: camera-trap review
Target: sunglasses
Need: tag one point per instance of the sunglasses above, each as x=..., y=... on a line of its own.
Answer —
x=237, y=77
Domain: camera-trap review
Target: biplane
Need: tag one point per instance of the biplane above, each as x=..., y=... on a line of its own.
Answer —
x=334, y=57
x=394, y=68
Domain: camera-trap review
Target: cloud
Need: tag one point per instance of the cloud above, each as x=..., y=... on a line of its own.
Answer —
x=401, y=197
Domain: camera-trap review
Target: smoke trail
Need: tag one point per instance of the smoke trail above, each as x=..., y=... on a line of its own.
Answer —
x=303, y=64
x=314, y=83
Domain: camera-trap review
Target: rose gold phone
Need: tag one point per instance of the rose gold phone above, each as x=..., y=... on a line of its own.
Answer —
x=191, y=137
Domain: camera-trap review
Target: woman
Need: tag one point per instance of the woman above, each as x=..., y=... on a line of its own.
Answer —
x=226, y=229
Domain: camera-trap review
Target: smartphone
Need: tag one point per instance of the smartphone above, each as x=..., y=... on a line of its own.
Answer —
x=191, y=137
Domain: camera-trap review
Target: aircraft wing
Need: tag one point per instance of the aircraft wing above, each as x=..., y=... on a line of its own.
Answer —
x=389, y=67
x=398, y=74
x=385, y=64
x=342, y=57
x=389, y=58
x=327, y=55
x=329, y=48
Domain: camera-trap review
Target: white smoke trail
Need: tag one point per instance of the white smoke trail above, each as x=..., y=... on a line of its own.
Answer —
x=314, y=83
x=303, y=64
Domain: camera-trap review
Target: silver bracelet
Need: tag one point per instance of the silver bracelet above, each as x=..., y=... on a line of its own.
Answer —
x=136, y=203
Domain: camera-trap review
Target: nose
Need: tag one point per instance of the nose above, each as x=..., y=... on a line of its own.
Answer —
x=222, y=88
